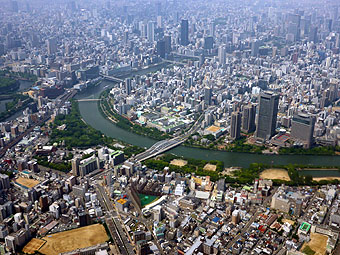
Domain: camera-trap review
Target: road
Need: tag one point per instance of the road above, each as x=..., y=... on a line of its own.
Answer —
x=113, y=223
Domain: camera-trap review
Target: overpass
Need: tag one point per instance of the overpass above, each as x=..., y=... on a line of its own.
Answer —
x=168, y=144
x=111, y=78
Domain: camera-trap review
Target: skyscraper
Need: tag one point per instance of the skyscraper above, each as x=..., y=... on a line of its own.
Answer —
x=159, y=22
x=126, y=36
x=255, y=48
x=248, y=118
x=222, y=55
x=75, y=166
x=167, y=40
x=14, y=6
x=267, y=115
x=184, y=32
x=161, y=48
x=303, y=128
x=51, y=46
x=151, y=31
x=235, y=125
x=128, y=86
x=207, y=95
x=208, y=42
x=43, y=200
x=313, y=34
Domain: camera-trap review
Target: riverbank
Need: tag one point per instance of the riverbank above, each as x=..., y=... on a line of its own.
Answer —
x=91, y=114
x=240, y=146
x=318, y=179
x=17, y=103
x=108, y=112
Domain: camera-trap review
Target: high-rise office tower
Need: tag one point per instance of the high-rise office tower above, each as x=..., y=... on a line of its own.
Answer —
x=126, y=36
x=255, y=48
x=294, y=25
x=75, y=166
x=14, y=6
x=184, y=32
x=248, y=118
x=51, y=46
x=303, y=129
x=222, y=55
x=167, y=40
x=235, y=125
x=151, y=31
x=4, y=182
x=128, y=86
x=72, y=6
x=313, y=34
x=159, y=22
x=212, y=29
x=334, y=14
x=207, y=95
x=337, y=41
x=2, y=49
x=208, y=42
x=34, y=40
x=161, y=48
x=43, y=201
x=267, y=115
x=159, y=8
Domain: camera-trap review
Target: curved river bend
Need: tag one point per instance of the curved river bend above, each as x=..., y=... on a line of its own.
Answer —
x=91, y=114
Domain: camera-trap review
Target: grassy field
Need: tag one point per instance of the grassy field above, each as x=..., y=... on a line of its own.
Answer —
x=275, y=173
x=29, y=183
x=74, y=239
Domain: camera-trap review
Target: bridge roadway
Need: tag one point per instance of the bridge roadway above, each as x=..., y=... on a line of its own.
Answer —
x=88, y=100
x=165, y=145
x=111, y=78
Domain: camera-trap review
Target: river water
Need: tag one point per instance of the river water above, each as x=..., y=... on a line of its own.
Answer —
x=91, y=114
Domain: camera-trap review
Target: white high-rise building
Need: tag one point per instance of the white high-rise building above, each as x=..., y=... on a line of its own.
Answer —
x=222, y=54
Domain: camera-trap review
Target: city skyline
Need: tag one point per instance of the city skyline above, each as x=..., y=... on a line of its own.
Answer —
x=169, y=127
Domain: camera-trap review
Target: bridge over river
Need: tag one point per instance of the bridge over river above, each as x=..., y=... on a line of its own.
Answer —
x=165, y=145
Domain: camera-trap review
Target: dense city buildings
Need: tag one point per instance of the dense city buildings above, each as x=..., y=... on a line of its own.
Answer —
x=236, y=78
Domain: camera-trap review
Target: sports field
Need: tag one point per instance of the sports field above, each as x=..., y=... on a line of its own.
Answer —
x=74, y=239
x=178, y=162
x=275, y=173
x=29, y=183
x=317, y=243
x=209, y=167
x=146, y=199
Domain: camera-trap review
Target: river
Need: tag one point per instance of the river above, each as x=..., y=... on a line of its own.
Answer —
x=91, y=114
